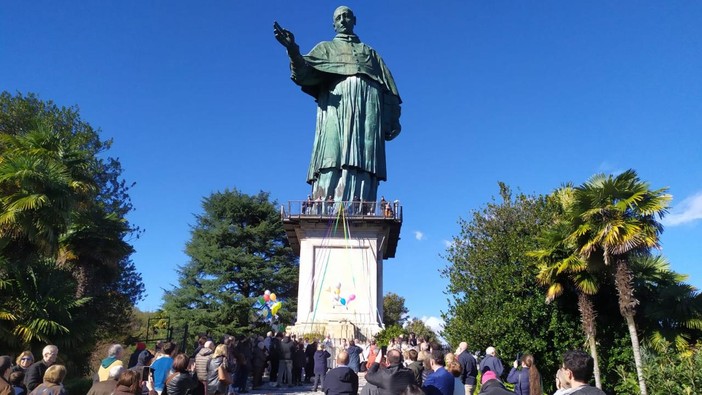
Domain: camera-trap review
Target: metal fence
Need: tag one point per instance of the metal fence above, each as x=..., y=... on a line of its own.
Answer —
x=355, y=208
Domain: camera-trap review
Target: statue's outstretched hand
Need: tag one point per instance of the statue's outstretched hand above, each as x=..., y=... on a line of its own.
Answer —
x=284, y=37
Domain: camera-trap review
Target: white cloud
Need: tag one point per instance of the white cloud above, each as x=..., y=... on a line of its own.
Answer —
x=689, y=210
x=448, y=243
x=418, y=235
x=436, y=324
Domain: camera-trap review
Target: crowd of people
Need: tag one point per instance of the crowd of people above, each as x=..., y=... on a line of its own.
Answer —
x=321, y=206
x=234, y=365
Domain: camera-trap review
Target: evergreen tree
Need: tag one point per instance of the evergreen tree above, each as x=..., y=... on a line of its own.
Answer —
x=394, y=309
x=238, y=249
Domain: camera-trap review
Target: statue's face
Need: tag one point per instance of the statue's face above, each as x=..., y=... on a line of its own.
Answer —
x=344, y=20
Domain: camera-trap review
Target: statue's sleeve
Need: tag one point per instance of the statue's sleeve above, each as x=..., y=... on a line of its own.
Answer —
x=302, y=72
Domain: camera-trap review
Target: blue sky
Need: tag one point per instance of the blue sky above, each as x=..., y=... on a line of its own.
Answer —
x=197, y=98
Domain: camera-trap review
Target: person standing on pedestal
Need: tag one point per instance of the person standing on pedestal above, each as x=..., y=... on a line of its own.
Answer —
x=358, y=109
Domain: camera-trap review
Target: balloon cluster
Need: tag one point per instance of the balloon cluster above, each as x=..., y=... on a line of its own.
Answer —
x=338, y=299
x=268, y=305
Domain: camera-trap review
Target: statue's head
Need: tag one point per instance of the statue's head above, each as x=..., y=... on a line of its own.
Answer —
x=344, y=20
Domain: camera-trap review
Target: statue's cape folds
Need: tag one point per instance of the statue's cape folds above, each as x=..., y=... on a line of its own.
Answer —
x=346, y=55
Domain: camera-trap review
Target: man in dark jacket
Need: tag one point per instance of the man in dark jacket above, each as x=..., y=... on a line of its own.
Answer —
x=491, y=362
x=320, y=365
x=354, y=352
x=469, y=368
x=341, y=380
x=274, y=356
x=35, y=373
x=417, y=367
x=287, y=348
x=391, y=380
x=309, y=366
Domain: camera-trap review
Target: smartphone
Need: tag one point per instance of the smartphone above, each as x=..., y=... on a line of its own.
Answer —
x=145, y=373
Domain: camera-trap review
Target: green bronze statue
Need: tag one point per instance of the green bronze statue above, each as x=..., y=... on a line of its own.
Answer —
x=358, y=109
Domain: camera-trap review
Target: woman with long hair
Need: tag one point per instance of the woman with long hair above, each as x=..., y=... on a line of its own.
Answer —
x=527, y=380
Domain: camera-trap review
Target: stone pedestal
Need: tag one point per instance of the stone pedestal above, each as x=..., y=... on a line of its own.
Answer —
x=340, y=289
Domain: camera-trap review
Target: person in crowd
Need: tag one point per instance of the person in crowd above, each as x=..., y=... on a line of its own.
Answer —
x=448, y=358
x=52, y=383
x=158, y=348
x=114, y=358
x=373, y=354
x=5, y=370
x=354, y=352
x=23, y=361
x=440, y=381
x=129, y=383
x=491, y=362
x=35, y=373
x=412, y=340
x=310, y=350
x=298, y=363
x=491, y=385
x=576, y=373
x=287, y=348
x=393, y=379
x=258, y=364
x=217, y=363
x=202, y=361
x=341, y=380
x=134, y=358
x=107, y=387
x=320, y=365
x=455, y=369
x=181, y=381
x=416, y=366
x=243, y=364
x=232, y=356
x=201, y=340
x=144, y=359
x=17, y=382
x=274, y=357
x=527, y=380
x=162, y=365
x=469, y=368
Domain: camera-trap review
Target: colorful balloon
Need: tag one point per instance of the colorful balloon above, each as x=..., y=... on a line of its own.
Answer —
x=266, y=297
x=352, y=297
x=273, y=297
x=276, y=306
x=267, y=292
x=337, y=291
x=342, y=301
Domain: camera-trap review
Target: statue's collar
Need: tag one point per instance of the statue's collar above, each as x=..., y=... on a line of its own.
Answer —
x=348, y=37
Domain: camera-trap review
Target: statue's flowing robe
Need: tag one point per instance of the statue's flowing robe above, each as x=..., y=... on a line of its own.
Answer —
x=358, y=109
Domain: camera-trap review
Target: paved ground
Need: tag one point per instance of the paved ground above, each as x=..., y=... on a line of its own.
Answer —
x=303, y=389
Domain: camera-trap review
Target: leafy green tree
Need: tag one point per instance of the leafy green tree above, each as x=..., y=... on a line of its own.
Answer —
x=394, y=310
x=614, y=218
x=238, y=249
x=494, y=298
x=419, y=328
x=67, y=277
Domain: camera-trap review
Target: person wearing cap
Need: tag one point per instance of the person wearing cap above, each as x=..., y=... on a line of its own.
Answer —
x=491, y=385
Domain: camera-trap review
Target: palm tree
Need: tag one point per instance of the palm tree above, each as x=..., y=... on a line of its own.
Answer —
x=672, y=315
x=43, y=179
x=614, y=218
x=560, y=269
